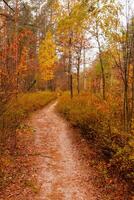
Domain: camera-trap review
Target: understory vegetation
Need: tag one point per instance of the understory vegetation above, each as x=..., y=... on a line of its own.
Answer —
x=99, y=123
x=12, y=122
x=17, y=110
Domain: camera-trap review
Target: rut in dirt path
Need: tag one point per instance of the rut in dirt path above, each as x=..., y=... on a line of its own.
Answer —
x=64, y=173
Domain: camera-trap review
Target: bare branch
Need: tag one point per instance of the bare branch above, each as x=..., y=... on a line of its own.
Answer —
x=8, y=6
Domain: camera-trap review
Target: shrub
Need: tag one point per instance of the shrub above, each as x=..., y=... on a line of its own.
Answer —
x=96, y=120
x=14, y=112
x=20, y=107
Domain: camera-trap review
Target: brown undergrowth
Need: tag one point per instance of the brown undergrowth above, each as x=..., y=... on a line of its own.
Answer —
x=16, y=144
x=18, y=172
x=100, y=125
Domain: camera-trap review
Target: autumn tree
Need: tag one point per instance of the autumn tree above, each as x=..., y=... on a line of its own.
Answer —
x=103, y=17
x=47, y=57
x=70, y=31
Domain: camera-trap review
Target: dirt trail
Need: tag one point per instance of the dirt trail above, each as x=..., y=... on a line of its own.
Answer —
x=64, y=173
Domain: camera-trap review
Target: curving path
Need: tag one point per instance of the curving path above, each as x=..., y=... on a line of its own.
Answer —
x=64, y=172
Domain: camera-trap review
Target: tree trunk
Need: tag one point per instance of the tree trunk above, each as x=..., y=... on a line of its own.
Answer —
x=70, y=83
x=103, y=78
x=78, y=81
x=126, y=82
x=102, y=67
x=70, y=76
x=132, y=108
x=126, y=105
x=78, y=76
x=16, y=41
x=84, y=72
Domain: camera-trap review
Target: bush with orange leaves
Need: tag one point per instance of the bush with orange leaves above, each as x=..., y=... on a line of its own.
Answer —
x=100, y=122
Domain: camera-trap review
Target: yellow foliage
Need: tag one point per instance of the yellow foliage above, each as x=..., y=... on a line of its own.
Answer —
x=47, y=57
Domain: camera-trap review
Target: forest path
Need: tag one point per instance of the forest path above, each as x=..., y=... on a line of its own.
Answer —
x=64, y=170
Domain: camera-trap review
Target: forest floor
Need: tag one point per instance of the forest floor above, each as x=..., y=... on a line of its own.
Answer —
x=54, y=162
